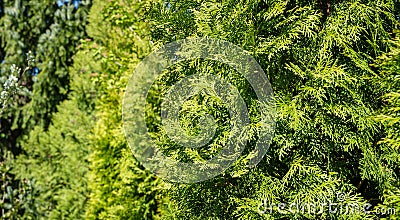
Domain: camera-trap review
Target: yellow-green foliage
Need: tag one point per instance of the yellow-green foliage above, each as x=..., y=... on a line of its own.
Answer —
x=120, y=188
x=388, y=81
x=317, y=56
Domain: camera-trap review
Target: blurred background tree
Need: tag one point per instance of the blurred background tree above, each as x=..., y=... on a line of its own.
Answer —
x=119, y=187
x=52, y=32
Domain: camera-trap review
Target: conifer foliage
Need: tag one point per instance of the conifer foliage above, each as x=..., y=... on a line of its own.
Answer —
x=119, y=187
x=317, y=56
x=56, y=159
x=47, y=34
x=388, y=80
x=327, y=146
x=334, y=67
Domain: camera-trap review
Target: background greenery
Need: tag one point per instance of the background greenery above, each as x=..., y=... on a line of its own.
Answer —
x=334, y=67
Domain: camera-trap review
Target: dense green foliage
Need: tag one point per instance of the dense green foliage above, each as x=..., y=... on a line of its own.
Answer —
x=326, y=140
x=56, y=159
x=388, y=81
x=52, y=34
x=334, y=67
x=120, y=188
